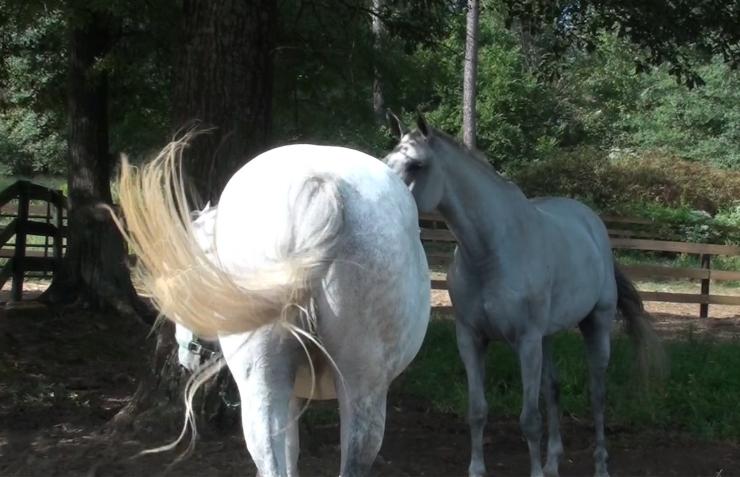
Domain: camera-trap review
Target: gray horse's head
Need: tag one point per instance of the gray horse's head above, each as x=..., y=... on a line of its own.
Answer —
x=414, y=159
x=190, y=349
x=187, y=355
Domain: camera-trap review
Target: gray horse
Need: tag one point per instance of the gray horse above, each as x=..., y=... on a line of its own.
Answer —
x=523, y=270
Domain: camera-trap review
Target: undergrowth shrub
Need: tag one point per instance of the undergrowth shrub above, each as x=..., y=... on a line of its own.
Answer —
x=611, y=183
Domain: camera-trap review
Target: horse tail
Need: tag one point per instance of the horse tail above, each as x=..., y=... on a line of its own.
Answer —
x=193, y=289
x=651, y=357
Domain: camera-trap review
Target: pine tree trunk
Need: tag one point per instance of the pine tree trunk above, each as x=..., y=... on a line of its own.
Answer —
x=224, y=81
x=378, y=29
x=470, y=74
x=94, y=271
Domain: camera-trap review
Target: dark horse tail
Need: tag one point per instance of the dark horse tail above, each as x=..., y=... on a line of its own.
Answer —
x=651, y=357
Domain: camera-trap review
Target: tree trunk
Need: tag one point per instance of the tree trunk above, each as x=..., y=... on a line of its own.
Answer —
x=378, y=39
x=470, y=73
x=224, y=81
x=93, y=271
x=158, y=400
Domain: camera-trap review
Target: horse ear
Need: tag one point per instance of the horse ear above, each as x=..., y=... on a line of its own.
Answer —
x=421, y=123
x=395, y=125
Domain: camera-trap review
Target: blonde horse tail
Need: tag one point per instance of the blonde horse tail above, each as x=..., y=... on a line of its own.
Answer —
x=191, y=288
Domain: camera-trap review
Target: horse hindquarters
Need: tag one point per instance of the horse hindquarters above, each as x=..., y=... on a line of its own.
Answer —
x=372, y=321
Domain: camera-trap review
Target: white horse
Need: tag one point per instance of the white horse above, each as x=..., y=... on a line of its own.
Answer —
x=313, y=242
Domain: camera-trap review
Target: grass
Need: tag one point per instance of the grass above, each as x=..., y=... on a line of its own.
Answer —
x=688, y=286
x=632, y=257
x=52, y=182
x=699, y=397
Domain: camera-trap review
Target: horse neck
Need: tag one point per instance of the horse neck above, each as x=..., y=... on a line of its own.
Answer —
x=480, y=207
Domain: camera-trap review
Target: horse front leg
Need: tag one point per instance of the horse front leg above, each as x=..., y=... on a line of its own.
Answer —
x=472, y=348
x=551, y=391
x=529, y=349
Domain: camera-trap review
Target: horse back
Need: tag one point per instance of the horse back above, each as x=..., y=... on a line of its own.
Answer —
x=573, y=219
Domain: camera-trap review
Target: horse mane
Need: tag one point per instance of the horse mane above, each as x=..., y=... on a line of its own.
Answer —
x=451, y=141
x=477, y=156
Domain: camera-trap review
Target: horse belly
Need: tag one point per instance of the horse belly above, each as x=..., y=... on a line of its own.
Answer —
x=575, y=294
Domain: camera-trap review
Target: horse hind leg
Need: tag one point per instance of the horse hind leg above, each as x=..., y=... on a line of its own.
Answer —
x=265, y=421
x=596, y=330
x=264, y=370
x=551, y=391
x=292, y=439
x=472, y=348
x=362, y=424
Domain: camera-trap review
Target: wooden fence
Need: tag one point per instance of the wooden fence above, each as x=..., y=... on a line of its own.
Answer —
x=33, y=210
x=434, y=230
x=30, y=210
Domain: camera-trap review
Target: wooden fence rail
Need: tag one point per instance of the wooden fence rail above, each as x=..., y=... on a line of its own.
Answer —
x=433, y=230
x=38, y=211
x=24, y=223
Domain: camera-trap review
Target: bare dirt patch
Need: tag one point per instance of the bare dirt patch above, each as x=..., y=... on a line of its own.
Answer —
x=64, y=375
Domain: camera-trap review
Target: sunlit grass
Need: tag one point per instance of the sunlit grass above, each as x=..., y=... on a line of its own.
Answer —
x=699, y=397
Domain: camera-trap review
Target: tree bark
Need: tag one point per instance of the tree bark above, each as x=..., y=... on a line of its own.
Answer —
x=470, y=74
x=224, y=81
x=379, y=31
x=158, y=400
x=93, y=271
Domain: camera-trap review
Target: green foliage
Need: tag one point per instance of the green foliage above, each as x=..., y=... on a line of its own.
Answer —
x=611, y=106
x=33, y=79
x=518, y=118
x=666, y=32
x=699, y=396
x=29, y=144
x=597, y=90
x=31, y=99
x=611, y=182
x=547, y=131
x=699, y=124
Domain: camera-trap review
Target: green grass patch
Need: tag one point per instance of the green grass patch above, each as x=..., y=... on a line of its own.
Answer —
x=52, y=182
x=700, y=395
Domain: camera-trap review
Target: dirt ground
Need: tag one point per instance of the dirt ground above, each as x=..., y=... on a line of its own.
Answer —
x=64, y=375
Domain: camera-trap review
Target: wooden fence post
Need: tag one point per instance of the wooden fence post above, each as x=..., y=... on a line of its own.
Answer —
x=706, y=261
x=59, y=235
x=16, y=291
